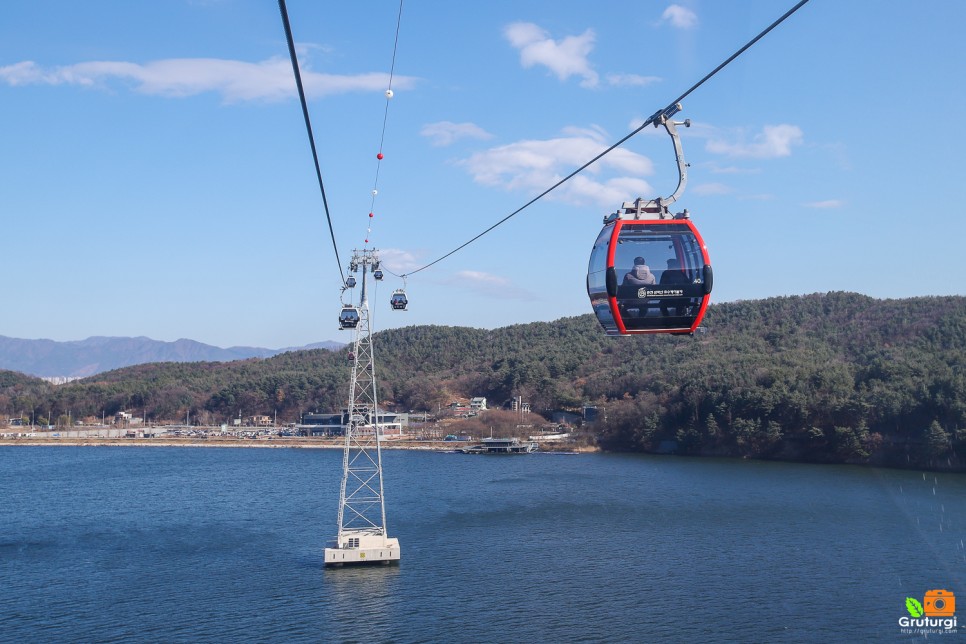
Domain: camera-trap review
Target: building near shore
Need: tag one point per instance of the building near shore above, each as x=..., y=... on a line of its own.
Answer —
x=127, y=419
x=390, y=423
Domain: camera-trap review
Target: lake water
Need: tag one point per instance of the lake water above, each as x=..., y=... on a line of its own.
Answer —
x=196, y=544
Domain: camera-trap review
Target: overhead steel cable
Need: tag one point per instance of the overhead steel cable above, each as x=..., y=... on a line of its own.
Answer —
x=308, y=127
x=669, y=110
x=385, y=120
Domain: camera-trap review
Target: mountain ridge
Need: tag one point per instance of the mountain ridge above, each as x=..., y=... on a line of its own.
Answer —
x=45, y=358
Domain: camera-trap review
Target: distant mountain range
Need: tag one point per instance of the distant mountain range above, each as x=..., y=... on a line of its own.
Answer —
x=81, y=358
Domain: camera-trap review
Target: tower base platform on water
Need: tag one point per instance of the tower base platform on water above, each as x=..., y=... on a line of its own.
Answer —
x=362, y=548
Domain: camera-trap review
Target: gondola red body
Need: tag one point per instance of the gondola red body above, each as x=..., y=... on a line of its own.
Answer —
x=649, y=276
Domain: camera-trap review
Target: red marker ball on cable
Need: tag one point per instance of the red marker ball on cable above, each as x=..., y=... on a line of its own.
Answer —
x=379, y=156
x=370, y=214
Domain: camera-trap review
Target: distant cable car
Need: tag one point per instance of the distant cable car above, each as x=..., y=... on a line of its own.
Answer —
x=649, y=270
x=350, y=282
x=398, y=300
x=377, y=274
x=349, y=317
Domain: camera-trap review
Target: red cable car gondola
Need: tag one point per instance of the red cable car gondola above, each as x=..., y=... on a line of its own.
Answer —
x=649, y=276
x=399, y=301
x=649, y=270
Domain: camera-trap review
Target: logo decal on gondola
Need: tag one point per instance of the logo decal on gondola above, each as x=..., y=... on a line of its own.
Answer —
x=660, y=292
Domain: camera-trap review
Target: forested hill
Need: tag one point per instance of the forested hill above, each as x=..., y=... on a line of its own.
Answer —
x=838, y=377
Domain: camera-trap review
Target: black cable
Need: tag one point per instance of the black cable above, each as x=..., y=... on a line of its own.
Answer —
x=669, y=110
x=385, y=119
x=308, y=127
x=392, y=70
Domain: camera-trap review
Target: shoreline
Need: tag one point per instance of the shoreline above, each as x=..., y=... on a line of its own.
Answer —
x=258, y=443
x=438, y=446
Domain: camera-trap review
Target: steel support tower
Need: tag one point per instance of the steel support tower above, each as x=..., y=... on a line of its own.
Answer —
x=362, y=537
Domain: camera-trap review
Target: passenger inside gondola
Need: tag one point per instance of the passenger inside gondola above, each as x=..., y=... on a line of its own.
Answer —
x=635, y=279
x=640, y=275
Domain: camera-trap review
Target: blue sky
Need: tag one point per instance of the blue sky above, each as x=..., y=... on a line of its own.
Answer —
x=157, y=179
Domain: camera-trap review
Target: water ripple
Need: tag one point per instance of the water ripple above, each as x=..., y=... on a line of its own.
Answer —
x=169, y=545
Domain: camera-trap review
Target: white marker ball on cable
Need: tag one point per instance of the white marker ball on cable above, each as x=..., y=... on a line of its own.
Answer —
x=388, y=93
x=375, y=192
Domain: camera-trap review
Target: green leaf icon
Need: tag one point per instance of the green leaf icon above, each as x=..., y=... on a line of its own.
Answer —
x=914, y=607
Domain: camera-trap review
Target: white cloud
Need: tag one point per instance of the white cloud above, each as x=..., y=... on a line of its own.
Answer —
x=235, y=80
x=716, y=169
x=565, y=58
x=446, y=132
x=709, y=189
x=399, y=261
x=680, y=17
x=489, y=284
x=535, y=165
x=631, y=80
x=828, y=203
x=482, y=278
x=774, y=141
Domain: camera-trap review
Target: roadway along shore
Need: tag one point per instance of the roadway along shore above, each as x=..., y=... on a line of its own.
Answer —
x=296, y=442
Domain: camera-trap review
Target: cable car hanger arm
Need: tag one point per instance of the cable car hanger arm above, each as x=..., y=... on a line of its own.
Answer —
x=671, y=127
x=658, y=208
